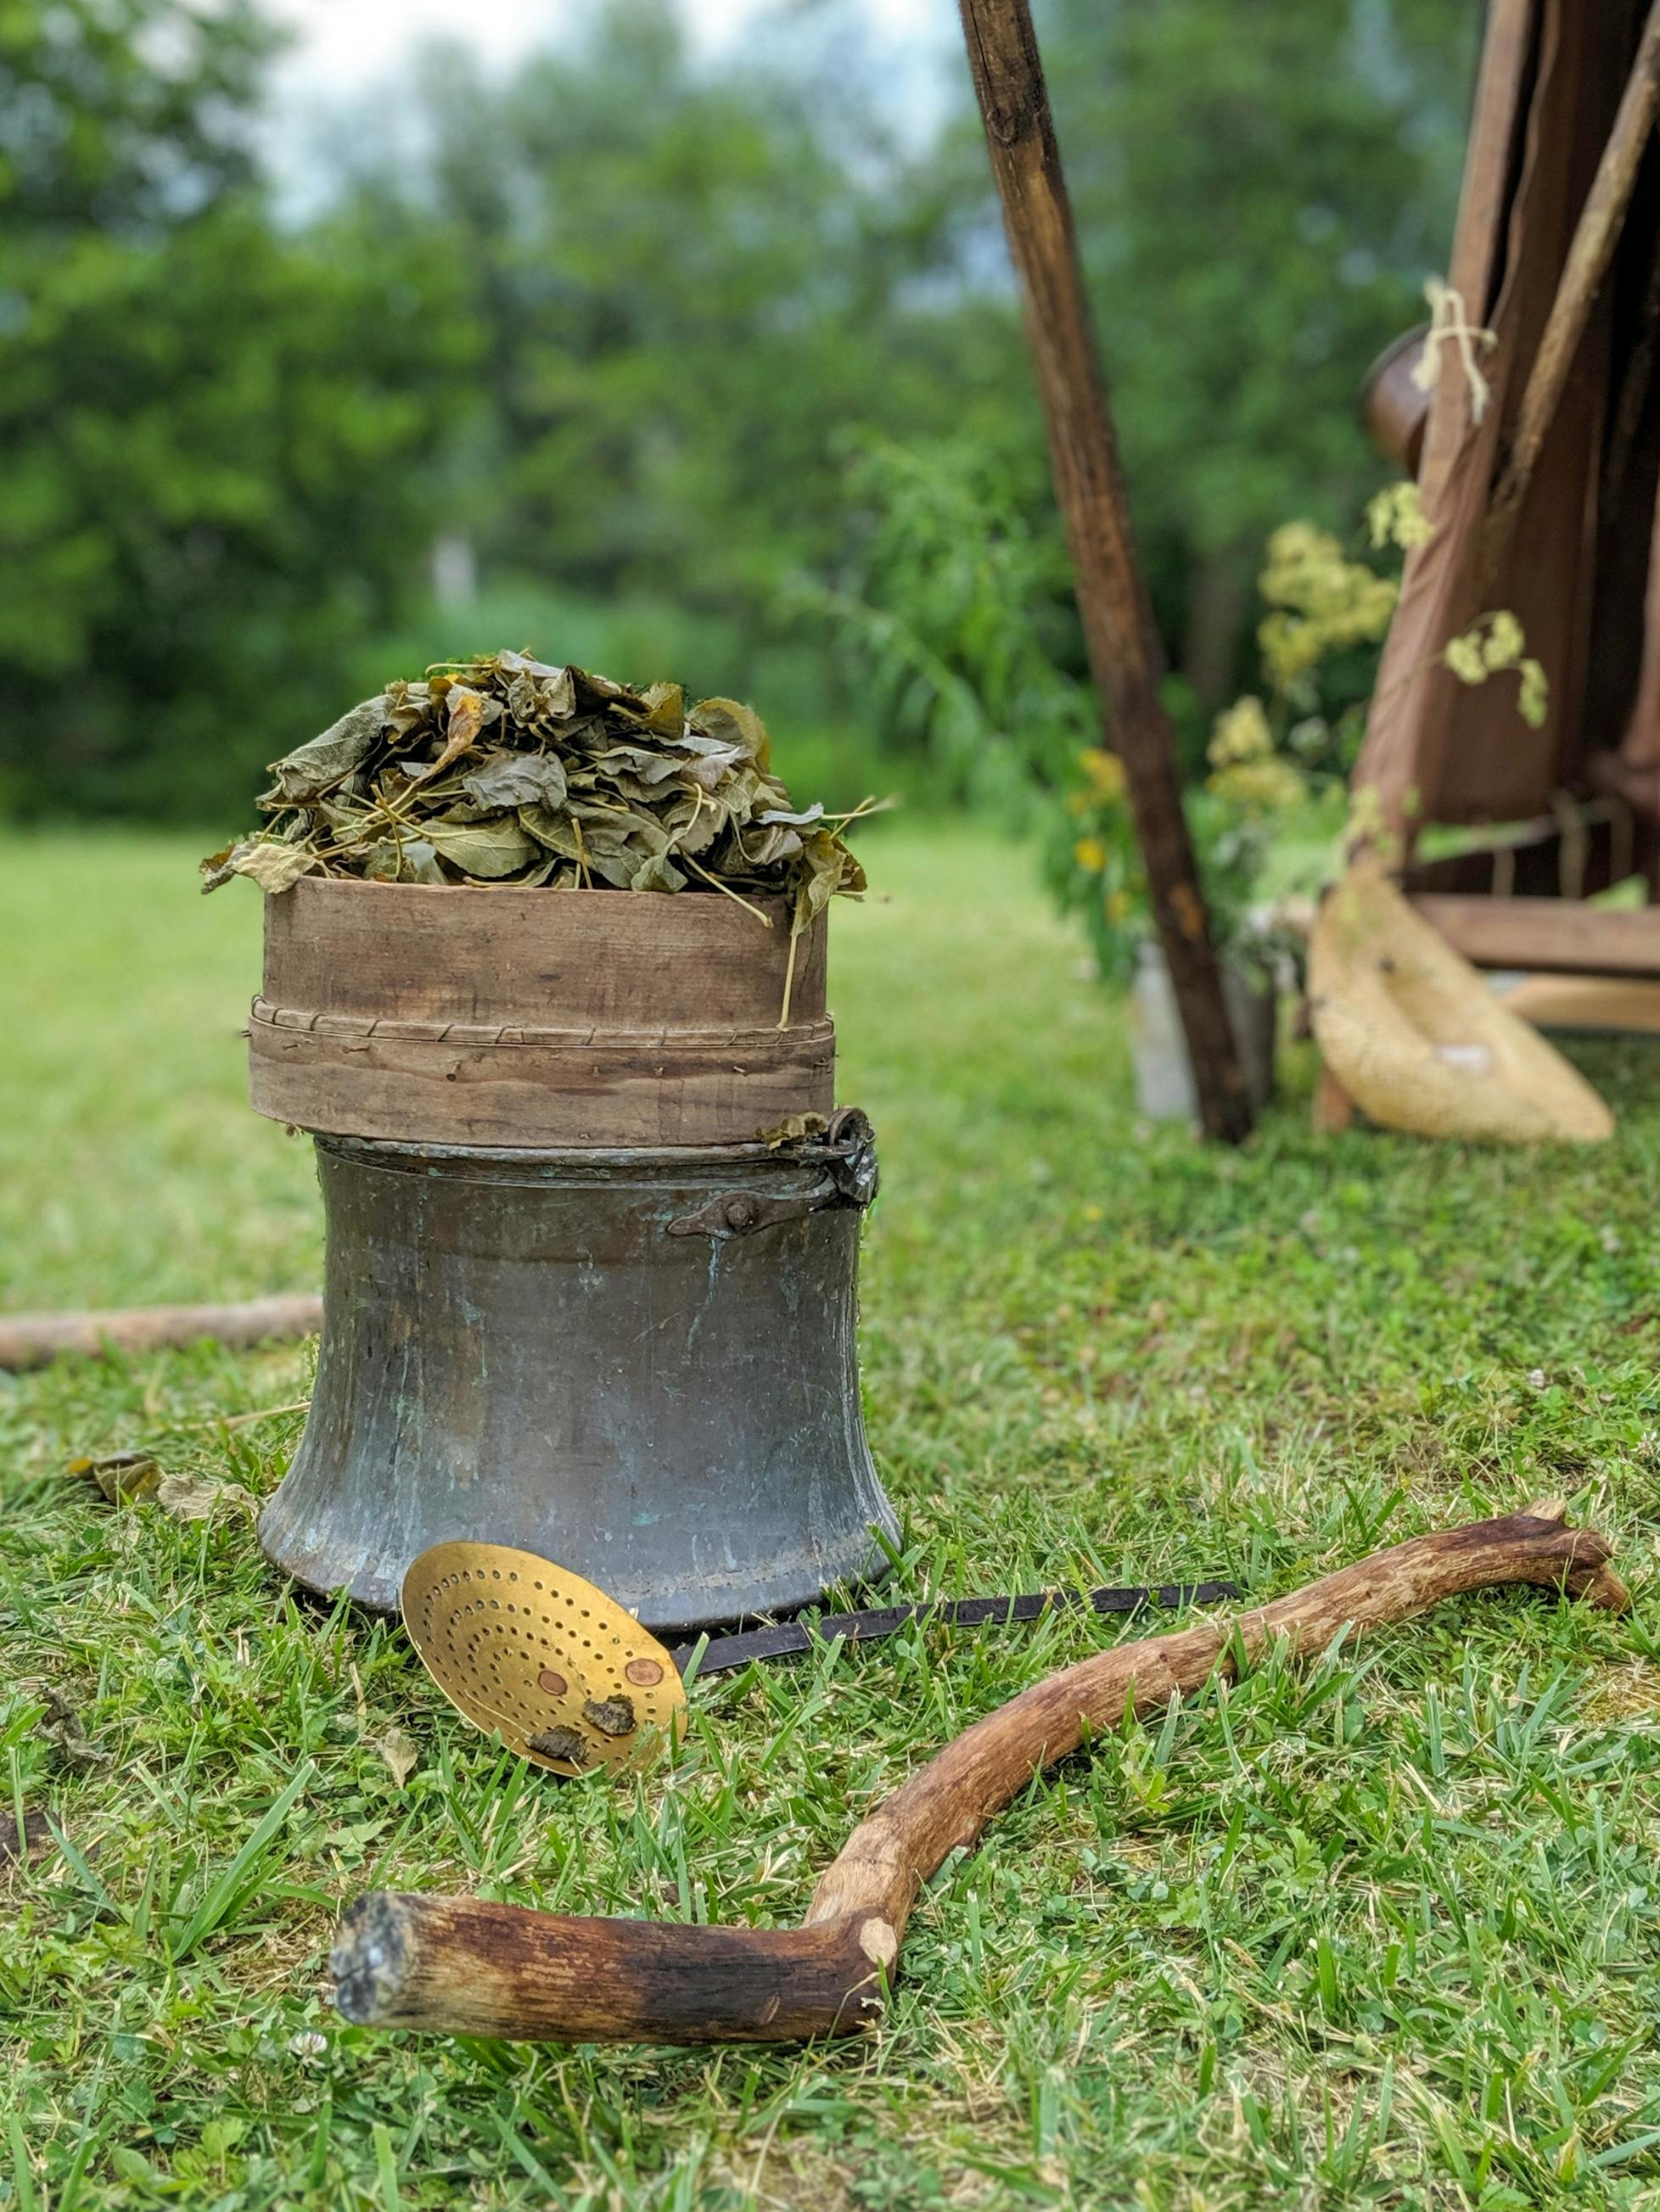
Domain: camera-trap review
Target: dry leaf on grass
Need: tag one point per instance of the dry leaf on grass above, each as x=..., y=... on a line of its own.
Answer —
x=124, y=1477
x=61, y=1727
x=401, y=1753
x=194, y=1498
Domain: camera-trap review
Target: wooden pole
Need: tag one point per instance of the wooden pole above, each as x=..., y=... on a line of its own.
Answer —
x=466, y=1966
x=33, y=1339
x=1112, y=598
x=1595, y=238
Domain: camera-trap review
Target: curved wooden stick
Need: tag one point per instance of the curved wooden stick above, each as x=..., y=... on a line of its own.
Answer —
x=466, y=1967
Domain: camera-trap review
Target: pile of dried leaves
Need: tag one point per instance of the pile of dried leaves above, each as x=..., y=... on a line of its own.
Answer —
x=506, y=770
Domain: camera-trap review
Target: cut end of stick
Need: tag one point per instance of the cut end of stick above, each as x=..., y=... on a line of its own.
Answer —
x=369, y=1958
x=1588, y=1576
x=1602, y=1586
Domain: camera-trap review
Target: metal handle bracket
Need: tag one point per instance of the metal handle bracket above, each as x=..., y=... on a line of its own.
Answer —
x=847, y=1151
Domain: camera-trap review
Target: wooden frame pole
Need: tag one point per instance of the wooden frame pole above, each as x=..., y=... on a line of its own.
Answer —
x=1112, y=598
x=1595, y=238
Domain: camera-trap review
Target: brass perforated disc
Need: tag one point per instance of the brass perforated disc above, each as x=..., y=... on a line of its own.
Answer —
x=534, y=1652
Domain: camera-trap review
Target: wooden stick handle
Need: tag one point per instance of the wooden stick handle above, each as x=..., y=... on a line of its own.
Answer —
x=464, y=1966
x=469, y=1967
x=34, y=1339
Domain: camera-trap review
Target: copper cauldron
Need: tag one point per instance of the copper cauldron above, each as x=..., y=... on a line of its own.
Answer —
x=639, y=1362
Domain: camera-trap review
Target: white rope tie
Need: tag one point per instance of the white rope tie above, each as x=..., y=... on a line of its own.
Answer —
x=1449, y=322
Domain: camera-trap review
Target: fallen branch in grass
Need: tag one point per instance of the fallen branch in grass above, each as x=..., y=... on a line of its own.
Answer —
x=467, y=1967
x=34, y=1339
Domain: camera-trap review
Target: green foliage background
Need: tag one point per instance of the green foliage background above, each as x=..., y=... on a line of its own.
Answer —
x=630, y=325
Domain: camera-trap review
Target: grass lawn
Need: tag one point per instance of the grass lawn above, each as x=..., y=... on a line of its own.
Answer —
x=1379, y=1930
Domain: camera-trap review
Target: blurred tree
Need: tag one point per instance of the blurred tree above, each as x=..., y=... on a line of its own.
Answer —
x=690, y=279
x=1260, y=195
x=614, y=318
x=210, y=434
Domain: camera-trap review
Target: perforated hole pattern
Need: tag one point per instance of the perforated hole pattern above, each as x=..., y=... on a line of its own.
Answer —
x=522, y=1646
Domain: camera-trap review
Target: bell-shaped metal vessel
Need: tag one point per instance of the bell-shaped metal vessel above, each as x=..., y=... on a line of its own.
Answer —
x=640, y=1364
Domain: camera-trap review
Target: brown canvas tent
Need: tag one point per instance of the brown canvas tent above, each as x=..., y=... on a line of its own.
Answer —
x=1543, y=503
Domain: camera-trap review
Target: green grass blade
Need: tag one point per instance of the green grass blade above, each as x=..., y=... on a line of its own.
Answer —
x=22, y=2174
x=227, y=1893
x=83, y=1873
x=385, y=2167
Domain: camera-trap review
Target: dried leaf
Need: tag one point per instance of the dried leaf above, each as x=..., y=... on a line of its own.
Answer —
x=656, y=872
x=274, y=866
x=122, y=1477
x=813, y=813
x=469, y=711
x=794, y=1129
x=309, y=771
x=510, y=779
x=194, y=1498
x=217, y=869
x=522, y=663
x=768, y=846
x=418, y=862
x=61, y=1727
x=665, y=705
x=587, y=783
x=603, y=690
x=486, y=849
x=564, y=1742
x=734, y=724
x=400, y=1752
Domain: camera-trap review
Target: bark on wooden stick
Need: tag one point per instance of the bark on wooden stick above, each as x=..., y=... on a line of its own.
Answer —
x=1112, y=597
x=34, y=1339
x=464, y=1967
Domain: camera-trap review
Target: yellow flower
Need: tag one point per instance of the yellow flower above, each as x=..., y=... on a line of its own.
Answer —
x=1396, y=517
x=1505, y=642
x=1091, y=854
x=1105, y=772
x=1259, y=786
x=1290, y=648
x=1489, y=648
x=1117, y=905
x=1328, y=603
x=1241, y=733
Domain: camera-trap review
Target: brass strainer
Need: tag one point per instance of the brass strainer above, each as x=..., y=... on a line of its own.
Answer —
x=535, y=1653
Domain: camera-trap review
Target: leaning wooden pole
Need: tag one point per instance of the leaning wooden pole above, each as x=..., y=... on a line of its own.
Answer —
x=1112, y=597
x=1596, y=236
x=466, y=1966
